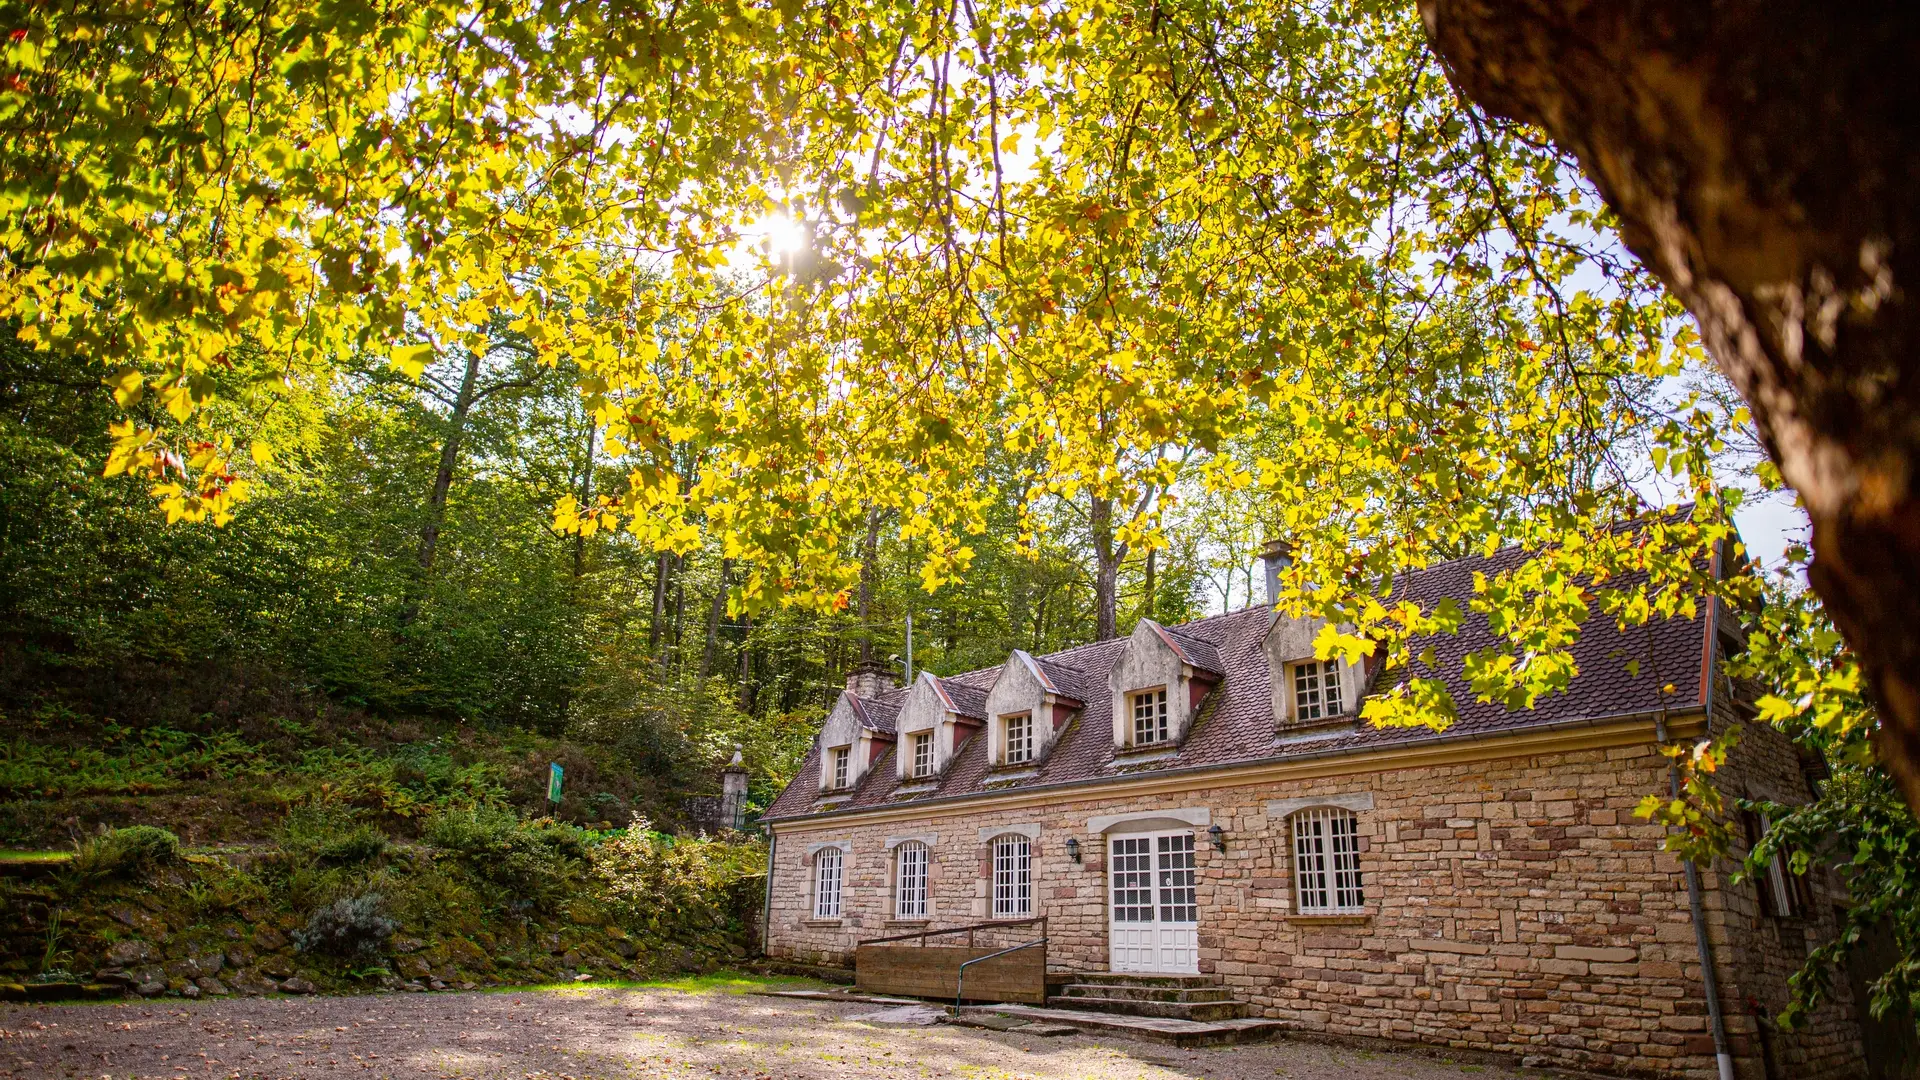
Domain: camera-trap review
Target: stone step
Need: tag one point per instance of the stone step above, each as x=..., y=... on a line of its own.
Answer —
x=1127, y=978
x=1175, y=1032
x=1202, y=1011
x=1145, y=993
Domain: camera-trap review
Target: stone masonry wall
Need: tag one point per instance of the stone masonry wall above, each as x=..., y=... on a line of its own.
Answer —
x=1513, y=906
x=1758, y=950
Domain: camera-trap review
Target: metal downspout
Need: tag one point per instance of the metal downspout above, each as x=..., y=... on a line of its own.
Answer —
x=1709, y=975
x=766, y=904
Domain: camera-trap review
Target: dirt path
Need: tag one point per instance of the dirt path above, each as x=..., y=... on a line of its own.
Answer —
x=602, y=1034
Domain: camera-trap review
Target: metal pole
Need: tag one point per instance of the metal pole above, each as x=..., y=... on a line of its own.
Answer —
x=1709, y=977
x=909, y=648
x=766, y=906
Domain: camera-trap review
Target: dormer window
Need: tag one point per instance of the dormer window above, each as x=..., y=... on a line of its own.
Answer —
x=1150, y=716
x=922, y=743
x=1316, y=689
x=1019, y=735
x=1160, y=683
x=842, y=758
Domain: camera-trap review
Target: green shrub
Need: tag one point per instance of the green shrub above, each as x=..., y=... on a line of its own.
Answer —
x=330, y=836
x=653, y=883
x=354, y=929
x=531, y=862
x=126, y=851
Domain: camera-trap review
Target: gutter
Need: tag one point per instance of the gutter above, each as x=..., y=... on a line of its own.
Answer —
x=766, y=904
x=1657, y=716
x=1709, y=976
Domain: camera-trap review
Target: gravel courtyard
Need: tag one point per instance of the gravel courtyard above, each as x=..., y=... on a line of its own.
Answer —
x=607, y=1033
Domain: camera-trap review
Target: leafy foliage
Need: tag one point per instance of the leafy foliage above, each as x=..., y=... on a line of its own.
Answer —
x=1859, y=827
x=654, y=883
x=527, y=863
x=123, y=852
x=331, y=835
x=1084, y=253
x=353, y=929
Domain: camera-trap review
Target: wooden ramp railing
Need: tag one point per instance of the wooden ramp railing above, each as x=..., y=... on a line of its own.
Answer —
x=912, y=966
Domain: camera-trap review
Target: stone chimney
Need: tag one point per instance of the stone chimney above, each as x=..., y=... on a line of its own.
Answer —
x=1277, y=555
x=870, y=680
x=733, y=793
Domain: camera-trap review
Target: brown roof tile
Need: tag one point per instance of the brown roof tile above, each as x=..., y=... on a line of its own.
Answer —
x=1236, y=722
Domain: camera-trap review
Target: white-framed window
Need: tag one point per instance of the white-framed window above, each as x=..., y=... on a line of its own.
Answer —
x=910, y=880
x=1326, y=862
x=842, y=758
x=1012, y=876
x=827, y=863
x=1019, y=729
x=922, y=744
x=1316, y=690
x=1149, y=716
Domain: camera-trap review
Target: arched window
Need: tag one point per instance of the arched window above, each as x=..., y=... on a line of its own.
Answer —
x=1012, y=876
x=1326, y=862
x=910, y=880
x=826, y=883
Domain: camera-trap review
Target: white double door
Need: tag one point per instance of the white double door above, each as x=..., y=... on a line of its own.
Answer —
x=1154, y=917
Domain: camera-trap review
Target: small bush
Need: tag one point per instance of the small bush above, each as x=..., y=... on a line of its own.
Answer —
x=354, y=929
x=529, y=861
x=126, y=851
x=652, y=883
x=330, y=836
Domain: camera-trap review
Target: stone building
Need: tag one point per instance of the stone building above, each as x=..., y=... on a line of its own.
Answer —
x=1201, y=800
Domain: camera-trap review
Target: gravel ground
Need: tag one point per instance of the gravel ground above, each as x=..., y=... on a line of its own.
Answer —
x=606, y=1033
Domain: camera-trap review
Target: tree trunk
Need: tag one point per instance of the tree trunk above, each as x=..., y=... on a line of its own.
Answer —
x=746, y=661
x=1106, y=571
x=679, y=612
x=1146, y=592
x=449, y=457
x=715, y=611
x=1763, y=159
x=658, y=624
x=586, y=499
x=869, y=568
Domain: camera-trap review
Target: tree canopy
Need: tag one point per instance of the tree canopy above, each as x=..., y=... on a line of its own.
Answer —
x=1262, y=246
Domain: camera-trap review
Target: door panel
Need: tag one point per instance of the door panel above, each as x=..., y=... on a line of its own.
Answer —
x=1154, y=909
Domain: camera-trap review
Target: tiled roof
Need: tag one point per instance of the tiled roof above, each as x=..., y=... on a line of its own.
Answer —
x=1236, y=721
x=1067, y=681
x=878, y=713
x=966, y=698
x=1197, y=653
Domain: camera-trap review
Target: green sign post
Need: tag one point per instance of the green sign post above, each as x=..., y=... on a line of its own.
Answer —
x=553, y=783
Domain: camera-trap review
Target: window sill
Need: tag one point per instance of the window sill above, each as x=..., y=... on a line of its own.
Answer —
x=1332, y=918
x=907, y=924
x=823, y=922
x=1128, y=755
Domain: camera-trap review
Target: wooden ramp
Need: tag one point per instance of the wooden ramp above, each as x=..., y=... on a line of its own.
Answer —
x=914, y=965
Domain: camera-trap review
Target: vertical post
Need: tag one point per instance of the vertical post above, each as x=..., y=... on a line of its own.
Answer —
x=733, y=793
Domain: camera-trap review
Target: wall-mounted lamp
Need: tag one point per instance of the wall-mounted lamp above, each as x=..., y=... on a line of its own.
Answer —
x=1073, y=848
x=1218, y=836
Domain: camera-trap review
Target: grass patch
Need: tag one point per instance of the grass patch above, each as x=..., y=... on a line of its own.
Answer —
x=717, y=982
x=35, y=856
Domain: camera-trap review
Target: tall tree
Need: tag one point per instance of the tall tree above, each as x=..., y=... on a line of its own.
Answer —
x=1762, y=159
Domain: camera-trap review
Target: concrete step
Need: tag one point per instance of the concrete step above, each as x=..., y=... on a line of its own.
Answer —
x=1144, y=993
x=1127, y=978
x=1175, y=1032
x=1202, y=1011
